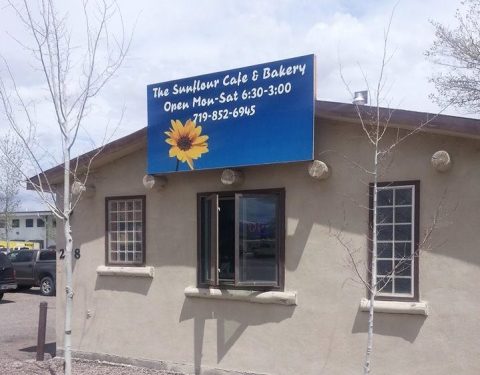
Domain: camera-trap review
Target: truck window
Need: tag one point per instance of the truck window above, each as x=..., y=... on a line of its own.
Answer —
x=47, y=255
x=4, y=261
x=22, y=256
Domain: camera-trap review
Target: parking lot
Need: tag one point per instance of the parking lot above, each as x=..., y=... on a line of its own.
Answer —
x=19, y=324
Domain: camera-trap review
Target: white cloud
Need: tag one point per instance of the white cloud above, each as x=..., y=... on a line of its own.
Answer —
x=188, y=37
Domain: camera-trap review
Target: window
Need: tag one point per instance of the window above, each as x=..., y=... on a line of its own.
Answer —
x=125, y=230
x=397, y=218
x=29, y=223
x=241, y=239
x=47, y=255
x=21, y=256
x=40, y=223
x=2, y=223
x=15, y=223
x=4, y=261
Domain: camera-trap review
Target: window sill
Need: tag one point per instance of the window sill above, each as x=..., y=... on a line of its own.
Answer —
x=273, y=297
x=146, y=271
x=396, y=307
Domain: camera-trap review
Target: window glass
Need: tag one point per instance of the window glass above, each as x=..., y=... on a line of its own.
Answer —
x=21, y=256
x=403, y=250
x=385, y=215
x=2, y=223
x=47, y=255
x=403, y=214
x=15, y=223
x=384, y=249
x=13, y=256
x=258, y=247
x=125, y=226
x=384, y=197
x=403, y=196
x=4, y=261
x=226, y=239
x=209, y=243
x=40, y=223
x=384, y=232
x=29, y=223
x=240, y=239
x=395, y=240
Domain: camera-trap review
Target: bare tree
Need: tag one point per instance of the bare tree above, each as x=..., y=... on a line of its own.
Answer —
x=457, y=51
x=383, y=139
x=74, y=73
x=10, y=182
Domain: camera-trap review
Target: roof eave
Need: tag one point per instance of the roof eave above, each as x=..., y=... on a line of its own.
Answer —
x=427, y=122
x=101, y=156
x=341, y=112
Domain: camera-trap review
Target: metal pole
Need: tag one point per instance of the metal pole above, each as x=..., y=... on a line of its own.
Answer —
x=42, y=325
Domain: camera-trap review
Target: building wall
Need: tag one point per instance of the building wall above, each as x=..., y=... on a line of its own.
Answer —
x=325, y=333
x=45, y=234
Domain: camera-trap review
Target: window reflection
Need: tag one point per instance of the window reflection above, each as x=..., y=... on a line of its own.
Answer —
x=258, y=234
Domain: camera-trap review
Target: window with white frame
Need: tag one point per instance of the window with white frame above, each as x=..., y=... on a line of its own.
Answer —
x=125, y=230
x=397, y=216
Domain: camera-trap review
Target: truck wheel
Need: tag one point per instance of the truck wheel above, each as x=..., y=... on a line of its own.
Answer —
x=47, y=286
x=1, y=296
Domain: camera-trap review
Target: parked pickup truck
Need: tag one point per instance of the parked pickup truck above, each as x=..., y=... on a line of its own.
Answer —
x=7, y=275
x=35, y=268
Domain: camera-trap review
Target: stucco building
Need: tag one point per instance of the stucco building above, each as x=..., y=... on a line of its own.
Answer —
x=279, y=293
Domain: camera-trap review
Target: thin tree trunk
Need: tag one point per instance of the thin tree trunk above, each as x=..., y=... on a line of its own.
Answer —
x=373, y=266
x=68, y=261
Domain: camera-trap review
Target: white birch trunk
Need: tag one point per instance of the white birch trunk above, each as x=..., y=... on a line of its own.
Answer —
x=68, y=261
x=373, y=267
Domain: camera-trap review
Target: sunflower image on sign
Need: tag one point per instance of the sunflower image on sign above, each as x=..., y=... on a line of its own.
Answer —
x=186, y=141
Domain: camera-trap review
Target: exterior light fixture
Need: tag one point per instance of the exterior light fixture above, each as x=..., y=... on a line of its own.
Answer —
x=441, y=161
x=360, y=98
x=232, y=177
x=319, y=170
x=158, y=182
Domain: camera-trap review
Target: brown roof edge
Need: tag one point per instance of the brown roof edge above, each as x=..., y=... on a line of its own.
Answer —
x=438, y=123
x=121, y=146
x=444, y=124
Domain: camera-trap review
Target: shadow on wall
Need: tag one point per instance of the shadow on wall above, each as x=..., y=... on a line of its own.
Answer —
x=404, y=326
x=139, y=285
x=233, y=318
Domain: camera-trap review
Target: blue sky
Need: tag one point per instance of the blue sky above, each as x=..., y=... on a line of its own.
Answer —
x=185, y=38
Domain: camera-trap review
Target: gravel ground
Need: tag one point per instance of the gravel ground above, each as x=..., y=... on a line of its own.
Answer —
x=79, y=367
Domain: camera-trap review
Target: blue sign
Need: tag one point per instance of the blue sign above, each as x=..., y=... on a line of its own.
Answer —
x=261, y=114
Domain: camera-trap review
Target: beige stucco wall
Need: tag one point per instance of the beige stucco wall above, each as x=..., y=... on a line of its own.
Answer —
x=323, y=334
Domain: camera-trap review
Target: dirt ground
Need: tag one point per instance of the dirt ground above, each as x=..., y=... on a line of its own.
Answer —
x=19, y=324
x=18, y=341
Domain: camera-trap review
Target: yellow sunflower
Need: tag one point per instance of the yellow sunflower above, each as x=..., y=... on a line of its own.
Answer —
x=186, y=141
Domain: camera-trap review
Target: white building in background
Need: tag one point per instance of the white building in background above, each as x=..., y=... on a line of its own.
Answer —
x=37, y=227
